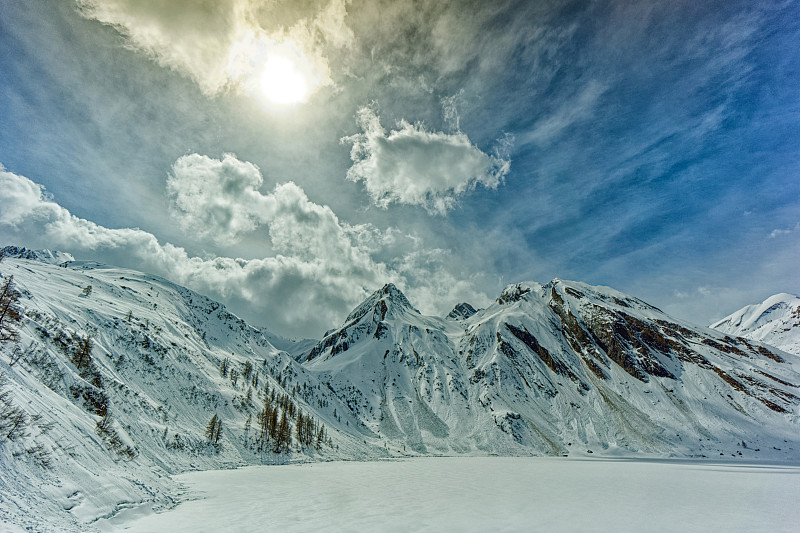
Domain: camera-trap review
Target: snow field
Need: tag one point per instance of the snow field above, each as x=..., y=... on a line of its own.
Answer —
x=482, y=494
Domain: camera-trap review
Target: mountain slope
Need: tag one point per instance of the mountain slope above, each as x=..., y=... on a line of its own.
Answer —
x=557, y=368
x=775, y=321
x=104, y=431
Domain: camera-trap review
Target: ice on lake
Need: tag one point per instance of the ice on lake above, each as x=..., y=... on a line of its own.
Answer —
x=482, y=494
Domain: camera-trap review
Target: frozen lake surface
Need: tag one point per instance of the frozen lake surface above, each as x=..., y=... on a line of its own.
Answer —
x=482, y=494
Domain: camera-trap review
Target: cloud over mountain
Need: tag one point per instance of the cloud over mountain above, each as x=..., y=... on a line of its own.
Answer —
x=319, y=261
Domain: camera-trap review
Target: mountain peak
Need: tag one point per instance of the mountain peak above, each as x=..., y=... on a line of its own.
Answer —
x=53, y=257
x=389, y=294
x=775, y=321
x=462, y=311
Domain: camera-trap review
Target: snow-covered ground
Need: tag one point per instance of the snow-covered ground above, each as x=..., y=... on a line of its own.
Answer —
x=482, y=494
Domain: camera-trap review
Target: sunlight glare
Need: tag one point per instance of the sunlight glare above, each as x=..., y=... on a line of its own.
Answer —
x=282, y=83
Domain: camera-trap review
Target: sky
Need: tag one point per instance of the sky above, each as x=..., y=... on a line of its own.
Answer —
x=289, y=157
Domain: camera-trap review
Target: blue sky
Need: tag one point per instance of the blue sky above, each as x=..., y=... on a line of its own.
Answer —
x=450, y=148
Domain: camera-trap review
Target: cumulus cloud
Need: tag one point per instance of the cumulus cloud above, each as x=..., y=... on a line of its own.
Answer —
x=217, y=198
x=321, y=269
x=225, y=43
x=220, y=199
x=411, y=165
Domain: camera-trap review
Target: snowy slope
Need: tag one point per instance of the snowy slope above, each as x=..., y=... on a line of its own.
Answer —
x=157, y=350
x=556, y=369
x=775, y=321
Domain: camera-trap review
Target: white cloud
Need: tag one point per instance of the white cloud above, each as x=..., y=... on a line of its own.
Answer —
x=225, y=43
x=777, y=232
x=219, y=199
x=411, y=165
x=216, y=198
x=321, y=269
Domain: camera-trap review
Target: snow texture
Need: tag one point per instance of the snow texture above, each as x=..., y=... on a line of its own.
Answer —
x=483, y=494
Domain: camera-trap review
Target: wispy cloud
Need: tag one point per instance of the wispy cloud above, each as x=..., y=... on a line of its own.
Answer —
x=778, y=232
x=411, y=165
x=579, y=108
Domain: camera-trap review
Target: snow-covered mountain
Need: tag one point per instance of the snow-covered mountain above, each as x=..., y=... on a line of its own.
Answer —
x=103, y=432
x=117, y=374
x=44, y=256
x=557, y=368
x=775, y=321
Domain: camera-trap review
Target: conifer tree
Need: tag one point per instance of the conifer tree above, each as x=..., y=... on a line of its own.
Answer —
x=273, y=423
x=211, y=428
x=83, y=355
x=9, y=311
x=320, y=436
x=214, y=429
x=284, y=439
x=300, y=428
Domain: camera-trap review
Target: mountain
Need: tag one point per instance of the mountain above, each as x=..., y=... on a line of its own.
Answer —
x=558, y=368
x=113, y=383
x=120, y=379
x=461, y=311
x=775, y=321
x=43, y=256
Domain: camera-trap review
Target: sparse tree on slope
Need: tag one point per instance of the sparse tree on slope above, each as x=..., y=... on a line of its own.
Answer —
x=83, y=355
x=284, y=439
x=9, y=311
x=214, y=429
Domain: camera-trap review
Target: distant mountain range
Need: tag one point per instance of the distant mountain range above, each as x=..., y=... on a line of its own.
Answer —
x=557, y=369
x=775, y=321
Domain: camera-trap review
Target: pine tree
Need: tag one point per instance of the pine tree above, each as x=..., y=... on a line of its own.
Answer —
x=284, y=439
x=218, y=432
x=83, y=356
x=223, y=367
x=211, y=429
x=300, y=428
x=272, y=425
x=247, y=370
x=87, y=290
x=9, y=311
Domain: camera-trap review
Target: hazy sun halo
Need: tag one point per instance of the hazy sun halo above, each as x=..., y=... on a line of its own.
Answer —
x=282, y=82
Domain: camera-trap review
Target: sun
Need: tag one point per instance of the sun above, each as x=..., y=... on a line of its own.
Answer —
x=282, y=82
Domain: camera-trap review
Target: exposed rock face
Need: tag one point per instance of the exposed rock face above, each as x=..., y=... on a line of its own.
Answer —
x=461, y=311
